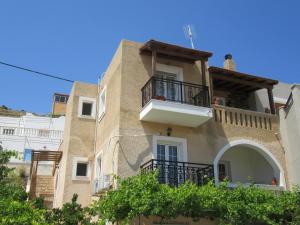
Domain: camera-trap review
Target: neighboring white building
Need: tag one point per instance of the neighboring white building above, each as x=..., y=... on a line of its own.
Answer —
x=30, y=132
x=290, y=132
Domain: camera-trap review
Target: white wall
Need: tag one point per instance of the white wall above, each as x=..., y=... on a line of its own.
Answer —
x=27, y=136
x=290, y=134
x=245, y=163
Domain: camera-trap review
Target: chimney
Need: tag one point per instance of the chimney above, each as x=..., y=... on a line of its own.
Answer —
x=229, y=64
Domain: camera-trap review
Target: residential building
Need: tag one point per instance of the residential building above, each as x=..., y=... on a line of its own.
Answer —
x=59, y=104
x=25, y=132
x=161, y=106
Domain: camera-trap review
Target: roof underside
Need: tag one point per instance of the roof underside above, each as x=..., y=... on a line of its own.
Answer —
x=236, y=81
x=165, y=49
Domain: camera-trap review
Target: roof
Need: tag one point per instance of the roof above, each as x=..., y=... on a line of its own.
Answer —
x=222, y=77
x=167, y=49
x=56, y=93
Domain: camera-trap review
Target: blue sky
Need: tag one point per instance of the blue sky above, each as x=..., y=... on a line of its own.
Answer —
x=76, y=39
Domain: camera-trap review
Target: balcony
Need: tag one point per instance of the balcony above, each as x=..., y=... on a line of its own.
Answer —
x=175, y=102
x=175, y=173
x=31, y=132
x=245, y=118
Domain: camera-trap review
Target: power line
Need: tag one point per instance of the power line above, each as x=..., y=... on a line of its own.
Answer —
x=36, y=72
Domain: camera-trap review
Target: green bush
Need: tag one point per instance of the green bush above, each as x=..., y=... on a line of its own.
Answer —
x=143, y=195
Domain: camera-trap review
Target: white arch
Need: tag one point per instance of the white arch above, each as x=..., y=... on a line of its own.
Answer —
x=255, y=146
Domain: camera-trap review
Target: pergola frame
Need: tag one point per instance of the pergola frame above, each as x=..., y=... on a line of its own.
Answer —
x=170, y=51
x=235, y=81
x=43, y=155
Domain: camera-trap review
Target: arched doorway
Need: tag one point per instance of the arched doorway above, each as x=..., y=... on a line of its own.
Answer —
x=245, y=161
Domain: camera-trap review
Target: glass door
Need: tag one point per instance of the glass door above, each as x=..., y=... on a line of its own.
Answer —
x=165, y=88
x=167, y=156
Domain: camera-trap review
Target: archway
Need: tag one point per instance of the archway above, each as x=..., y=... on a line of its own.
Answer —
x=246, y=161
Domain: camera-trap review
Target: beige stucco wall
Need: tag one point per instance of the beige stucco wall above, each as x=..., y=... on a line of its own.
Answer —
x=78, y=142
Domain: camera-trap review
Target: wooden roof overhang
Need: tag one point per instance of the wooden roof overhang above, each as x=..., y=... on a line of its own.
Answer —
x=43, y=155
x=224, y=79
x=174, y=51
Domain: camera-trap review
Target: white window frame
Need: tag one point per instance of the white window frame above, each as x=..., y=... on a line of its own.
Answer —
x=180, y=142
x=102, y=104
x=77, y=160
x=171, y=69
x=80, y=105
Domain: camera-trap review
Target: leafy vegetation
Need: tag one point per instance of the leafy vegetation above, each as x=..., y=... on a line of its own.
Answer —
x=143, y=196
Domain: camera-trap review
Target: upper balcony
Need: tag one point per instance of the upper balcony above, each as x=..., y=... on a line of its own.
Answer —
x=175, y=102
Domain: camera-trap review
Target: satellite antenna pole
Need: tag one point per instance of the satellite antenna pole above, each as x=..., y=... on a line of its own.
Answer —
x=189, y=33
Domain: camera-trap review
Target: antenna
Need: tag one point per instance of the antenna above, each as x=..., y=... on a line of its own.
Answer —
x=190, y=33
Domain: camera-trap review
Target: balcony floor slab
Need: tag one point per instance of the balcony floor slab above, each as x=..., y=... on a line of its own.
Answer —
x=175, y=113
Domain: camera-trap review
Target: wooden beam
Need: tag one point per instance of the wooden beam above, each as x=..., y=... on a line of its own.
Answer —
x=271, y=100
x=241, y=81
x=153, y=70
x=211, y=87
x=203, y=72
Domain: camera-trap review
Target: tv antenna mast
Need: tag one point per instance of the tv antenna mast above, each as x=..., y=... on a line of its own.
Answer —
x=190, y=33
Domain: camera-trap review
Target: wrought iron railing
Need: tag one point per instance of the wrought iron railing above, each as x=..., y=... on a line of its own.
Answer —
x=175, y=173
x=176, y=91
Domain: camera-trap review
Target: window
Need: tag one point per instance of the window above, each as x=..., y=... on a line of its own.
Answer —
x=27, y=155
x=8, y=131
x=102, y=103
x=81, y=169
x=61, y=98
x=86, y=108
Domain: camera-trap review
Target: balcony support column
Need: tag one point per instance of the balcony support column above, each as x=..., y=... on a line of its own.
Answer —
x=203, y=72
x=153, y=69
x=271, y=99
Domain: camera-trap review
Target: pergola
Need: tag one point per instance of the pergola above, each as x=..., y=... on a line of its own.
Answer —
x=175, y=52
x=224, y=79
x=43, y=155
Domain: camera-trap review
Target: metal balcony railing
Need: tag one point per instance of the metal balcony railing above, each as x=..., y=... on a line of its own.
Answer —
x=175, y=173
x=175, y=91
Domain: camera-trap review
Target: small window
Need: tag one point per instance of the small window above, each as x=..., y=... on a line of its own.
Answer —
x=8, y=131
x=102, y=103
x=62, y=99
x=57, y=98
x=27, y=155
x=87, y=109
x=81, y=170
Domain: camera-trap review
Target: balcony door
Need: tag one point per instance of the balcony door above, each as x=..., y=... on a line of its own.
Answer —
x=166, y=87
x=168, y=156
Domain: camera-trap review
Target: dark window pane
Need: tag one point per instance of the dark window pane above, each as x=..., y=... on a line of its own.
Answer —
x=87, y=109
x=81, y=169
x=57, y=97
x=62, y=98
